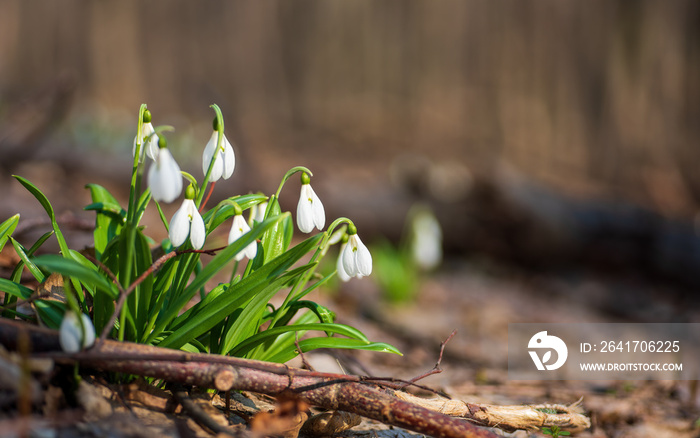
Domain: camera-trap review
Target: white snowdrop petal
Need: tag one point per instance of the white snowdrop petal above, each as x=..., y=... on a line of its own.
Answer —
x=207, y=156
x=364, y=259
x=198, y=231
x=89, y=339
x=319, y=213
x=180, y=225
x=339, y=265
x=305, y=220
x=229, y=159
x=70, y=335
x=164, y=178
x=349, y=262
x=251, y=250
x=150, y=142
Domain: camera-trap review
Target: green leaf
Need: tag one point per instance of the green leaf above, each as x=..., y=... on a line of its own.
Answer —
x=263, y=275
x=247, y=323
x=17, y=272
x=50, y=312
x=226, y=304
x=59, y=236
x=109, y=219
x=272, y=334
x=6, y=229
x=225, y=210
x=14, y=289
x=274, y=239
x=33, y=269
x=343, y=343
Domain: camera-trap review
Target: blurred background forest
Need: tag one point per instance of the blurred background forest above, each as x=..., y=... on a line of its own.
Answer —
x=598, y=99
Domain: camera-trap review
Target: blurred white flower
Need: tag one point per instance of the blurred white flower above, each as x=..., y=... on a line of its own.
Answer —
x=426, y=239
x=164, y=177
x=187, y=222
x=70, y=335
x=357, y=260
x=310, y=212
x=238, y=229
x=225, y=160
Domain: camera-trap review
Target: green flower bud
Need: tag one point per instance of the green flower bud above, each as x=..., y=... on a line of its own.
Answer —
x=146, y=116
x=305, y=179
x=215, y=124
x=352, y=229
x=190, y=192
x=162, y=142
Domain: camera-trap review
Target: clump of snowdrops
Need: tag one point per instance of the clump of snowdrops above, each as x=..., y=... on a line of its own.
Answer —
x=132, y=288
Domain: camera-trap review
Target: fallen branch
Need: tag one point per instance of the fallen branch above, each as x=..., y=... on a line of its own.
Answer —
x=330, y=391
x=532, y=417
x=436, y=417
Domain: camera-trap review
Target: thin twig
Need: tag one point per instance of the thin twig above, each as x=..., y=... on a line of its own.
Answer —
x=304, y=363
x=436, y=369
x=201, y=417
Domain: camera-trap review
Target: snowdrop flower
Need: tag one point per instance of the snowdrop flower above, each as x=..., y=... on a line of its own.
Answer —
x=187, y=222
x=238, y=229
x=225, y=160
x=149, y=140
x=70, y=335
x=356, y=259
x=426, y=239
x=164, y=177
x=310, y=212
x=339, y=264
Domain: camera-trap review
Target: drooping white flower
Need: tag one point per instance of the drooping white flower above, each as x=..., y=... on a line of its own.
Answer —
x=238, y=229
x=149, y=141
x=310, y=211
x=225, y=161
x=356, y=258
x=339, y=265
x=70, y=335
x=187, y=222
x=164, y=177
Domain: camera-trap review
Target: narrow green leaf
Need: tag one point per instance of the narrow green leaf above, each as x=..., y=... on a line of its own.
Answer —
x=272, y=334
x=261, y=276
x=17, y=272
x=14, y=289
x=59, y=235
x=218, y=215
x=274, y=238
x=7, y=228
x=33, y=269
x=248, y=321
x=342, y=343
x=219, y=309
